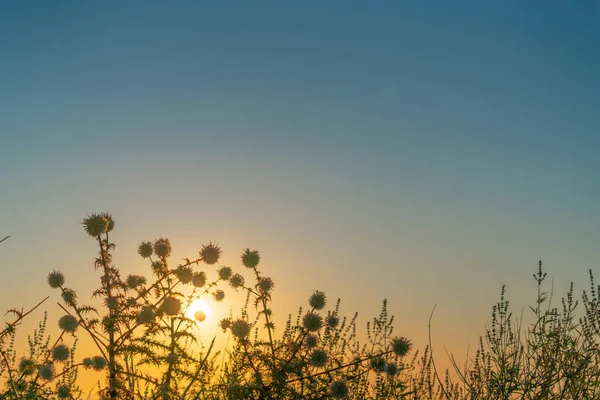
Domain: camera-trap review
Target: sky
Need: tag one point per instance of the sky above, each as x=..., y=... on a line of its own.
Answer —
x=423, y=153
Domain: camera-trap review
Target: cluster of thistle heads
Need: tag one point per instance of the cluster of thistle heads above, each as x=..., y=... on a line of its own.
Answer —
x=133, y=302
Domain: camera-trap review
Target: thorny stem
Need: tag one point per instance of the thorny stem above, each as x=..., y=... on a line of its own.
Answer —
x=268, y=323
x=20, y=316
x=112, y=370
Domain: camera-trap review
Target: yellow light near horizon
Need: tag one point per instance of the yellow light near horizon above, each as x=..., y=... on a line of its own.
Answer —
x=199, y=306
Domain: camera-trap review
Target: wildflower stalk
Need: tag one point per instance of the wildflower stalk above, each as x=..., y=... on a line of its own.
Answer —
x=112, y=370
x=195, y=377
x=266, y=314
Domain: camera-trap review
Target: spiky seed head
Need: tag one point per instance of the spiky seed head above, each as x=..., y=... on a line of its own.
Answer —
x=88, y=362
x=312, y=322
x=56, y=279
x=318, y=358
x=95, y=225
x=310, y=341
x=99, y=363
x=63, y=392
x=250, y=258
x=332, y=321
x=225, y=273
x=378, y=364
x=172, y=358
x=184, y=274
x=171, y=305
x=109, y=220
x=60, y=353
x=199, y=279
x=401, y=346
x=68, y=323
x=200, y=315
x=219, y=295
x=240, y=329
x=162, y=248
x=134, y=281
x=69, y=297
x=317, y=300
x=339, y=390
x=47, y=372
x=391, y=369
x=210, y=253
x=236, y=281
x=146, y=315
x=145, y=249
x=265, y=285
x=27, y=366
x=159, y=268
x=225, y=324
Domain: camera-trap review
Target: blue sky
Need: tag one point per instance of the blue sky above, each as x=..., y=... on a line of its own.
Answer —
x=424, y=153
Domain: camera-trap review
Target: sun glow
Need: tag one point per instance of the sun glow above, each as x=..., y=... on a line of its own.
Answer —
x=199, y=310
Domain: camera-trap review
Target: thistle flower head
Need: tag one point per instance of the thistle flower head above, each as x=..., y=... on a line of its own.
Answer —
x=60, y=353
x=162, y=248
x=219, y=295
x=318, y=358
x=27, y=366
x=63, y=392
x=200, y=315
x=378, y=364
x=145, y=249
x=184, y=274
x=88, y=362
x=265, y=285
x=225, y=273
x=317, y=300
x=56, y=279
x=339, y=390
x=134, y=281
x=310, y=341
x=401, y=346
x=240, y=329
x=199, y=279
x=171, y=305
x=312, y=322
x=332, y=321
x=236, y=281
x=225, y=324
x=210, y=253
x=99, y=363
x=146, y=315
x=110, y=221
x=391, y=369
x=250, y=258
x=68, y=323
x=47, y=372
x=95, y=225
x=69, y=297
x=159, y=268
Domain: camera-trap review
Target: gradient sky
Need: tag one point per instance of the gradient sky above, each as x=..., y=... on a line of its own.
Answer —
x=427, y=154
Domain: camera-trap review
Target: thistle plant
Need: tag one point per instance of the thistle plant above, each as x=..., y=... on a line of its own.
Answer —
x=149, y=347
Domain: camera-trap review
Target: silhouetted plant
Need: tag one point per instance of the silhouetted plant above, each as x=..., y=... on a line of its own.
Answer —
x=148, y=346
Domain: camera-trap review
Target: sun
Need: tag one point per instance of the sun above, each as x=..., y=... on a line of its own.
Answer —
x=199, y=310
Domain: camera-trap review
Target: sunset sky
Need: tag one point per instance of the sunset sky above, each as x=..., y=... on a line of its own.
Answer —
x=424, y=154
